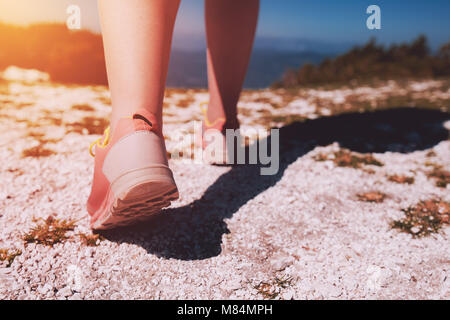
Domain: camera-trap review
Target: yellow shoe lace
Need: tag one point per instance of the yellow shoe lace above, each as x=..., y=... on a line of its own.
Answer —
x=99, y=143
x=205, y=116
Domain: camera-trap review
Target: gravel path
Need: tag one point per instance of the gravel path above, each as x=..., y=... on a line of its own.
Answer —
x=300, y=234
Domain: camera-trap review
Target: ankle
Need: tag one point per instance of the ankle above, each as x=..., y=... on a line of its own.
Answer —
x=215, y=114
x=141, y=116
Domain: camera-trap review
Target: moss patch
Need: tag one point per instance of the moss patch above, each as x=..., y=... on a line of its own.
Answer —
x=346, y=158
x=272, y=289
x=9, y=256
x=91, y=240
x=425, y=218
x=49, y=231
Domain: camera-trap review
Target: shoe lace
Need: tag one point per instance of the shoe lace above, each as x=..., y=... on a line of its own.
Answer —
x=205, y=115
x=99, y=143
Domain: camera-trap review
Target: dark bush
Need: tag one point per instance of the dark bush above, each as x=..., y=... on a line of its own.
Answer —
x=374, y=61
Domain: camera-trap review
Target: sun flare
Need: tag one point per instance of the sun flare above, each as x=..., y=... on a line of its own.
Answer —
x=26, y=11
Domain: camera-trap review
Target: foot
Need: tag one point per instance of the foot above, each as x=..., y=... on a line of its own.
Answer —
x=213, y=139
x=132, y=179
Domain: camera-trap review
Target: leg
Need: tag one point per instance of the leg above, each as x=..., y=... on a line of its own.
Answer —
x=132, y=179
x=137, y=36
x=230, y=29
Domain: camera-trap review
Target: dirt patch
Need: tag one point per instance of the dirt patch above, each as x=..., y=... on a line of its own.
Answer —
x=88, y=125
x=401, y=179
x=38, y=151
x=82, y=107
x=40, y=137
x=23, y=105
x=16, y=171
x=373, y=196
x=346, y=158
x=186, y=102
x=104, y=100
x=431, y=154
x=441, y=176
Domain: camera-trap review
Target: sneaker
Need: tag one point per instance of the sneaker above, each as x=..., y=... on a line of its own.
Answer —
x=132, y=179
x=213, y=138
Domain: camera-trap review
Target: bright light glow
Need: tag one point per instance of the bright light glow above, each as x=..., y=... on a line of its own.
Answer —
x=24, y=12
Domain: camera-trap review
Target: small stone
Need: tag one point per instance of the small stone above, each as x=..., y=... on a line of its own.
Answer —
x=415, y=230
x=45, y=289
x=76, y=296
x=288, y=295
x=281, y=262
x=116, y=296
x=64, y=292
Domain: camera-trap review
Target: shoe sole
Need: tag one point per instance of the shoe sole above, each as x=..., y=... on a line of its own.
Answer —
x=135, y=198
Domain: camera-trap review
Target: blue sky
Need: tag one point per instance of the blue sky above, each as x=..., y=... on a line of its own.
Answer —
x=324, y=20
x=344, y=20
x=339, y=20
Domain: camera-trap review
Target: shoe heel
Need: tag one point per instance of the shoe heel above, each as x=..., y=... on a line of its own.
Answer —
x=140, y=179
x=137, y=168
x=142, y=151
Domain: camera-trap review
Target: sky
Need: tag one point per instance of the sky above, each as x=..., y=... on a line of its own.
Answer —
x=334, y=21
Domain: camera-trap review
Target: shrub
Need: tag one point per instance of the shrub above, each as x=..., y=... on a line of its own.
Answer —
x=374, y=61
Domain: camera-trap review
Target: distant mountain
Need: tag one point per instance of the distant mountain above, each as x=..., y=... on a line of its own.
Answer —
x=301, y=45
x=188, y=68
x=190, y=42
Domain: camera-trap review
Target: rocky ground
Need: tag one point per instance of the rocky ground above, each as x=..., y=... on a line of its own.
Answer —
x=359, y=208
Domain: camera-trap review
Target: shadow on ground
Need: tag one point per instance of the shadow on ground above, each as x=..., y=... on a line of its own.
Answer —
x=194, y=231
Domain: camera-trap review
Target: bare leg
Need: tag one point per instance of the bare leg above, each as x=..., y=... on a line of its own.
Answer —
x=137, y=36
x=230, y=30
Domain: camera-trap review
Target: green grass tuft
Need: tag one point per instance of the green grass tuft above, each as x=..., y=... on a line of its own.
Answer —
x=425, y=218
x=7, y=255
x=272, y=289
x=49, y=232
x=346, y=158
